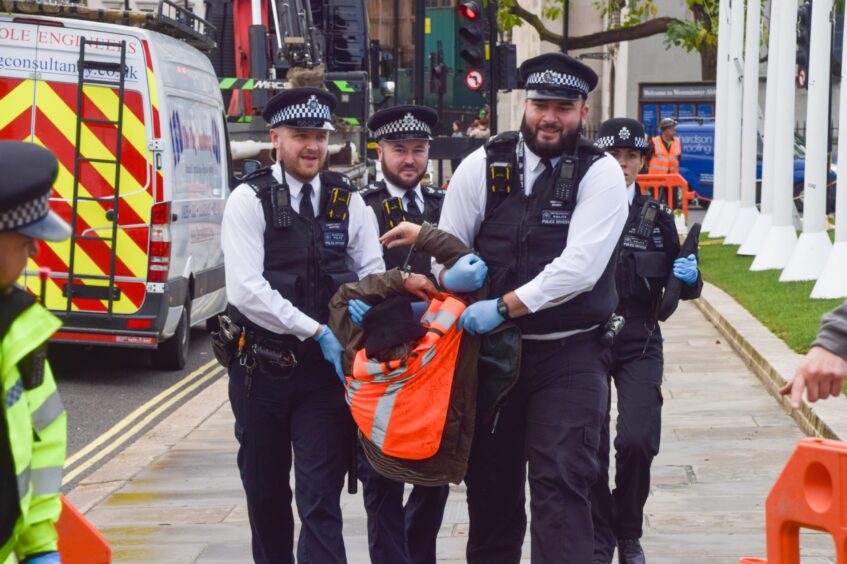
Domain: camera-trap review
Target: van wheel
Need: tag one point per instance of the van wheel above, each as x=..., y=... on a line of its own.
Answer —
x=173, y=353
x=799, y=189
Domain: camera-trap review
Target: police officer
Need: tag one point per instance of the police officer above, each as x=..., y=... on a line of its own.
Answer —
x=291, y=235
x=33, y=425
x=398, y=534
x=649, y=255
x=545, y=210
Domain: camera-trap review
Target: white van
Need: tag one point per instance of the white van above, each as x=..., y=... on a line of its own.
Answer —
x=144, y=174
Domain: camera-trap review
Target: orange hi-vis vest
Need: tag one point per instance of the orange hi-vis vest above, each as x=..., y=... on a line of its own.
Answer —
x=665, y=161
x=401, y=405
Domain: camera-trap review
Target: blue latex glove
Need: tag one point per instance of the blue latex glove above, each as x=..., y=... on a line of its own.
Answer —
x=685, y=268
x=480, y=317
x=357, y=310
x=46, y=558
x=332, y=350
x=467, y=275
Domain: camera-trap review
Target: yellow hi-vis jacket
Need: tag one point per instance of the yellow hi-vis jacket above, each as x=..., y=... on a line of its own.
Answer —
x=35, y=428
x=664, y=160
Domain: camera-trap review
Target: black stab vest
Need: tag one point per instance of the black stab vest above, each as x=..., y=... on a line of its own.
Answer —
x=520, y=235
x=375, y=196
x=306, y=262
x=644, y=265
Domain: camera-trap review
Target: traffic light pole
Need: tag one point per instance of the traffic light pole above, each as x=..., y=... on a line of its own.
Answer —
x=493, y=66
x=420, y=41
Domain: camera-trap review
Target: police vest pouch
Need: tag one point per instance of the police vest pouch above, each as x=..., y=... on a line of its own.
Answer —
x=500, y=177
x=288, y=285
x=394, y=212
x=651, y=264
x=339, y=203
x=335, y=235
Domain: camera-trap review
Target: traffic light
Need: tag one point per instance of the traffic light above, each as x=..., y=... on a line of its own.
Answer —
x=437, y=71
x=804, y=34
x=507, y=66
x=472, y=33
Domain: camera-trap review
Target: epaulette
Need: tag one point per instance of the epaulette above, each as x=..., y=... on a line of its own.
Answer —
x=587, y=147
x=371, y=189
x=337, y=180
x=664, y=207
x=433, y=192
x=259, y=173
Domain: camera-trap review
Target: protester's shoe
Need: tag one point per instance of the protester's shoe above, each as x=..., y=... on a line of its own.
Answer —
x=630, y=552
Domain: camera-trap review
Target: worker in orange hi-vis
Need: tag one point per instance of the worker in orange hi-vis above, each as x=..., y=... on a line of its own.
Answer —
x=666, y=149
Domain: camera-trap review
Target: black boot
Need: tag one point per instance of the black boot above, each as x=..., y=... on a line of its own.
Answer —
x=630, y=552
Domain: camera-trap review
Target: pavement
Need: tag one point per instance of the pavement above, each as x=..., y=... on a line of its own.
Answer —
x=175, y=495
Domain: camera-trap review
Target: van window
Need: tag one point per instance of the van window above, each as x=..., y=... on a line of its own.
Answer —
x=198, y=149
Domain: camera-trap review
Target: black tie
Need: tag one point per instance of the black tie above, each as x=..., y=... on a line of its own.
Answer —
x=307, y=211
x=545, y=175
x=411, y=204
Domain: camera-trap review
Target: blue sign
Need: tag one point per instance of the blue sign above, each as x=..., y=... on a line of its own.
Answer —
x=686, y=110
x=667, y=111
x=705, y=110
x=648, y=117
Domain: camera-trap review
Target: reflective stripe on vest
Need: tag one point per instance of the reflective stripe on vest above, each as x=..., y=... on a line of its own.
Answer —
x=47, y=412
x=665, y=161
x=23, y=482
x=401, y=405
x=46, y=481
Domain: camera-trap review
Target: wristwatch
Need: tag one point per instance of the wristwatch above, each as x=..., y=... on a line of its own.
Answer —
x=502, y=308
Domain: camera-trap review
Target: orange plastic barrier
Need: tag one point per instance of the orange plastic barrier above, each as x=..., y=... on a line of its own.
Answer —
x=675, y=184
x=811, y=493
x=79, y=541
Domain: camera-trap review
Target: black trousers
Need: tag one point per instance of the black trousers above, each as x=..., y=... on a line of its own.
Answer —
x=637, y=367
x=306, y=413
x=551, y=420
x=398, y=534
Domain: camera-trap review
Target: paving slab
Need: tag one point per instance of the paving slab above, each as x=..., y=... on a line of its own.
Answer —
x=724, y=442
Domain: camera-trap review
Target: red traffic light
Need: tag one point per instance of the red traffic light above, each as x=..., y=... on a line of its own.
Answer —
x=469, y=10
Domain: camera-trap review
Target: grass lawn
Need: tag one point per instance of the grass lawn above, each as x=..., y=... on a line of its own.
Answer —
x=783, y=307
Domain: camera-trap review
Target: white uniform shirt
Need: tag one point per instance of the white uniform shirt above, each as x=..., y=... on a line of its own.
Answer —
x=595, y=228
x=242, y=239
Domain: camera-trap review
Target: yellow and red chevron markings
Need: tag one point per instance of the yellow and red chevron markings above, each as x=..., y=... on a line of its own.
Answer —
x=51, y=122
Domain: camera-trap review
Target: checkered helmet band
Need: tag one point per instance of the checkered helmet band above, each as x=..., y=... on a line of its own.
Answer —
x=25, y=214
x=408, y=124
x=310, y=113
x=553, y=80
x=624, y=138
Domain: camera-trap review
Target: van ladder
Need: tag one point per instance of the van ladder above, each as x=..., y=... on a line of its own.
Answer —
x=111, y=293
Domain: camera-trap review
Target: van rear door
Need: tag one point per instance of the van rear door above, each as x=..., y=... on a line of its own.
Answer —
x=99, y=132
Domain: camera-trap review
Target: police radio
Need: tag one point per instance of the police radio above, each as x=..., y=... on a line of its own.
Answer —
x=566, y=180
x=281, y=206
x=647, y=220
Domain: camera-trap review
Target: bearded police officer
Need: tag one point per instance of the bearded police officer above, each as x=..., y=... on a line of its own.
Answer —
x=32, y=420
x=649, y=256
x=545, y=210
x=291, y=236
x=398, y=534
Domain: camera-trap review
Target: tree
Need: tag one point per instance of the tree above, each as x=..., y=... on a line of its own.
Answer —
x=640, y=19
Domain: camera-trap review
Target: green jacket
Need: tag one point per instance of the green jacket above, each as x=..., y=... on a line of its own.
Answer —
x=33, y=430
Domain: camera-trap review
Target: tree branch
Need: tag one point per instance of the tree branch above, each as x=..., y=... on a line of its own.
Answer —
x=645, y=29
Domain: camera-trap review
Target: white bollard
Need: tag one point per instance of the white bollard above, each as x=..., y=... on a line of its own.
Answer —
x=833, y=280
x=718, y=175
x=749, y=129
x=732, y=135
x=781, y=237
x=809, y=256
x=756, y=238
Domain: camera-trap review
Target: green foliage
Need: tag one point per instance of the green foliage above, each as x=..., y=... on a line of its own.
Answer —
x=783, y=307
x=691, y=35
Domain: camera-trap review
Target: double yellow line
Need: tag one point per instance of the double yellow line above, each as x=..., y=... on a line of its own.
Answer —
x=130, y=425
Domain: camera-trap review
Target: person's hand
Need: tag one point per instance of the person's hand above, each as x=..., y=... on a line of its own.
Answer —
x=404, y=234
x=45, y=558
x=422, y=287
x=685, y=268
x=357, y=310
x=331, y=349
x=821, y=374
x=467, y=275
x=480, y=317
